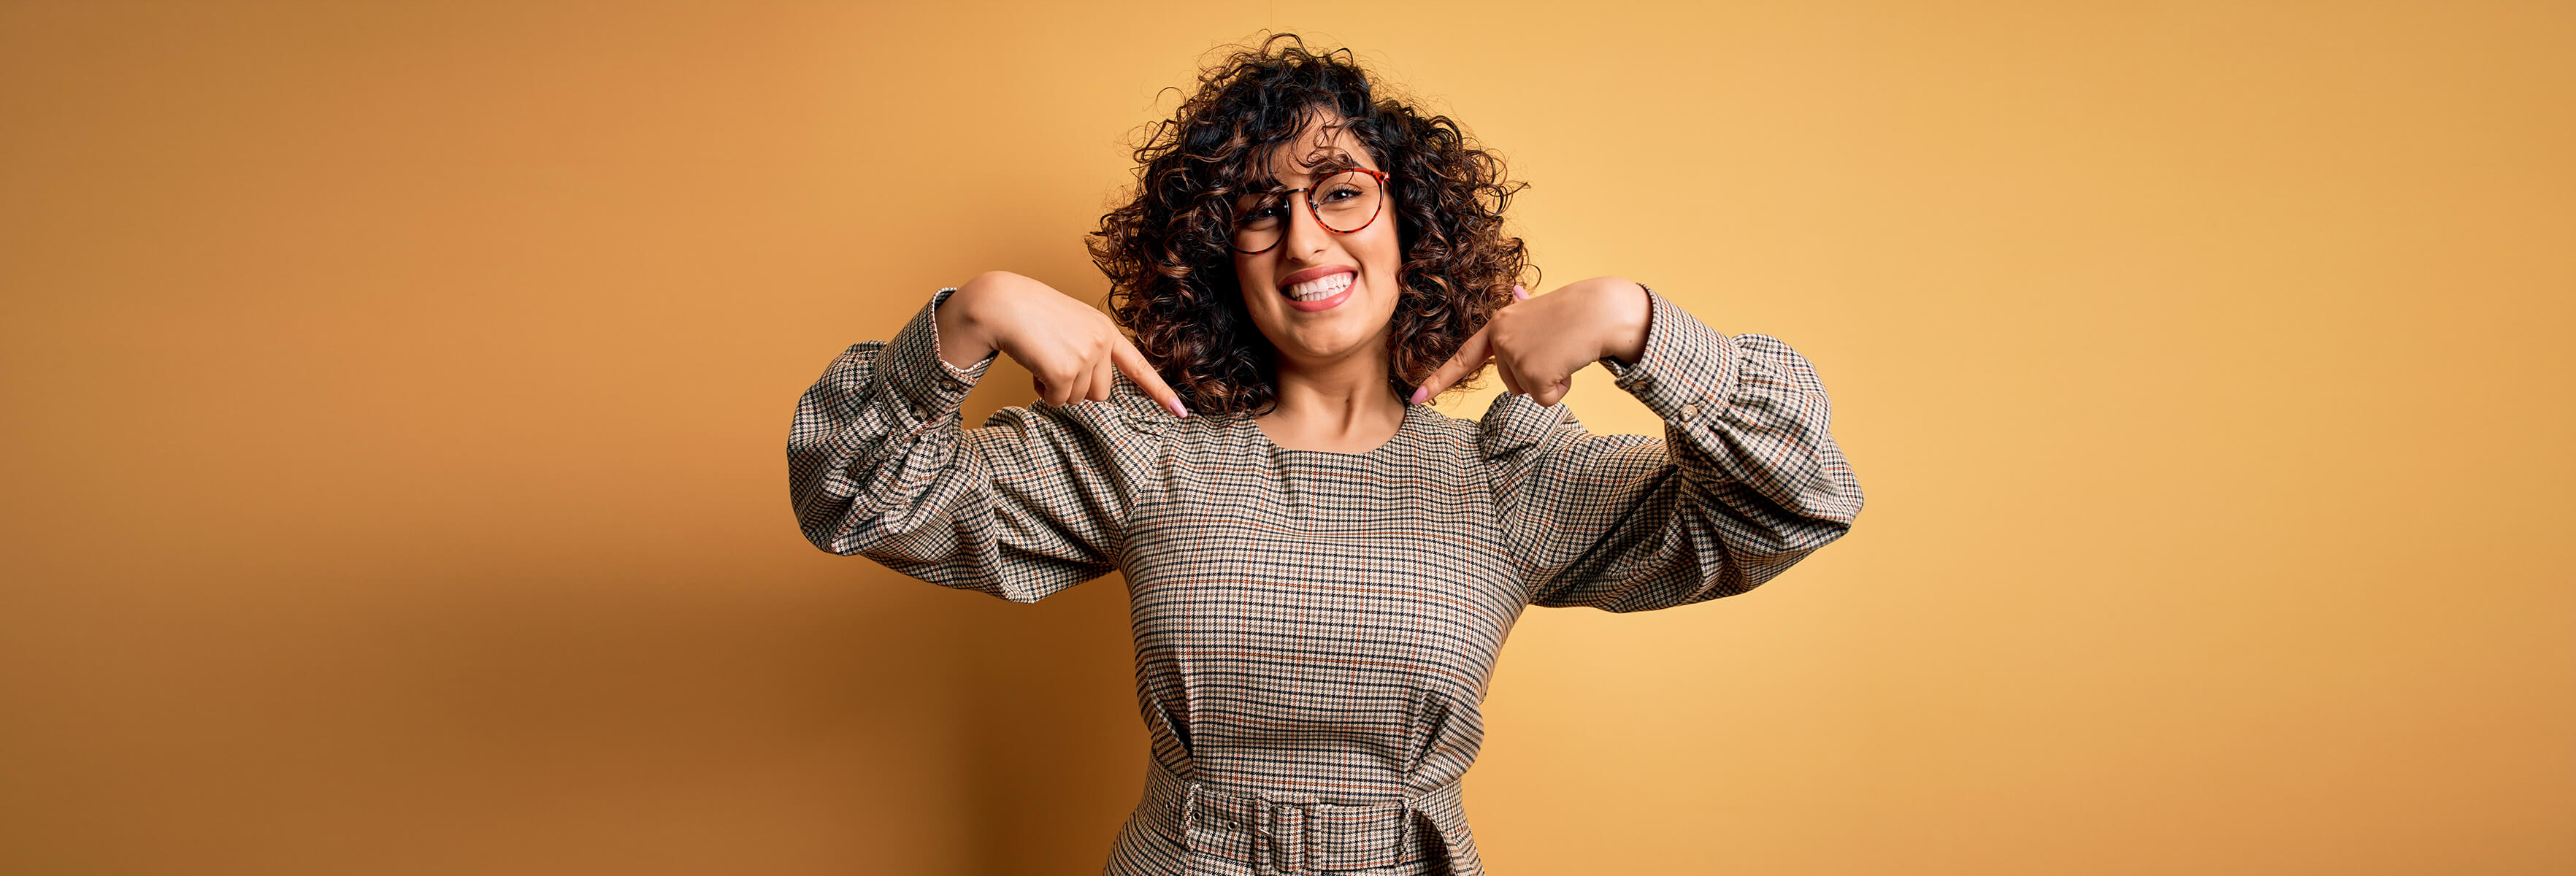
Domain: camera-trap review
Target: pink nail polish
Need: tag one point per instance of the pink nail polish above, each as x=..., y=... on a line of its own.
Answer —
x=1420, y=393
x=1519, y=294
x=1178, y=409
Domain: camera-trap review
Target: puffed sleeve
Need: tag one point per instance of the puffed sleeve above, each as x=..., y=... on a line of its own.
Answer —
x=879, y=464
x=1745, y=481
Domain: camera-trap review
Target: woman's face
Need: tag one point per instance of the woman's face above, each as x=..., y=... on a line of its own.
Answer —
x=1310, y=331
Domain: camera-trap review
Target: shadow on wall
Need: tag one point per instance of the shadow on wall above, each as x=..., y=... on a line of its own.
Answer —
x=859, y=719
x=873, y=721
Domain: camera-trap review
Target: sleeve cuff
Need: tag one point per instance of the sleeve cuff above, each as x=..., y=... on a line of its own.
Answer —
x=1688, y=371
x=929, y=388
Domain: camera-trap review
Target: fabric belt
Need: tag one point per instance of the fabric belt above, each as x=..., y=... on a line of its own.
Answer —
x=1282, y=832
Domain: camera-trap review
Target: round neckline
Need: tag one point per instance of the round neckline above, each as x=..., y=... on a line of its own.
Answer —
x=1402, y=428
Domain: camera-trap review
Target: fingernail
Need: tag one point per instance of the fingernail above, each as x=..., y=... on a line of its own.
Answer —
x=1420, y=393
x=1178, y=409
x=1518, y=293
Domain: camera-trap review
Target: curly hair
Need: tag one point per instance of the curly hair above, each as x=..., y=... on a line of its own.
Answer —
x=1166, y=251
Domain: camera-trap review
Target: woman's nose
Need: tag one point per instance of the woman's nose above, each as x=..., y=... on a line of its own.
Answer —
x=1303, y=221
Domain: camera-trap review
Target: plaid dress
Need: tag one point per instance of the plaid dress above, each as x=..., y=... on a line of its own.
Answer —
x=1314, y=630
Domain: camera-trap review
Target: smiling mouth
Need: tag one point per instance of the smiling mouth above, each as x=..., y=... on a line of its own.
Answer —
x=1319, y=288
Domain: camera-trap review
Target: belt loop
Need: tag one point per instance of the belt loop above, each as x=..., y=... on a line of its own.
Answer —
x=1404, y=840
x=1189, y=809
x=1263, y=846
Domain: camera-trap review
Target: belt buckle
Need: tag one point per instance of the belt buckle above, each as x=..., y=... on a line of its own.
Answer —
x=1279, y=833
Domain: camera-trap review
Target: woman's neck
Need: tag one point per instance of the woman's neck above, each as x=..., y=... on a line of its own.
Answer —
x=1344, y=406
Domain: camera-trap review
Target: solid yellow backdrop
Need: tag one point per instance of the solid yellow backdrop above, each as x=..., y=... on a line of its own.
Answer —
x=397, y=398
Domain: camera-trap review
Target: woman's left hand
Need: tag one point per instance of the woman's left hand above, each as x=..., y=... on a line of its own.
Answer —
x=1537, y=343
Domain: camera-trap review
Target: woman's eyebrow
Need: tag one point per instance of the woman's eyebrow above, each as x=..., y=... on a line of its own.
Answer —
x=1269, y=185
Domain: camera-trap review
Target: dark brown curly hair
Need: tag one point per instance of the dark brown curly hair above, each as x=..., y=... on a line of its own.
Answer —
x=1170, y=267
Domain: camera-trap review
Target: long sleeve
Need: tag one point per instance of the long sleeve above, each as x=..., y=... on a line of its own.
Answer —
x=1744, y=483
x=879, y=464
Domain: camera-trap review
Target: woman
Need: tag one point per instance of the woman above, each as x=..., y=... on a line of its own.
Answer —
x=1321, y=566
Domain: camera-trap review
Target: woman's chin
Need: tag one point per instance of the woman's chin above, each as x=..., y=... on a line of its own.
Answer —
x=1332, y=343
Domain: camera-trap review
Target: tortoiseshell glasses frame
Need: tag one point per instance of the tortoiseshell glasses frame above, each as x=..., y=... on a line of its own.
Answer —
x=1357, y=189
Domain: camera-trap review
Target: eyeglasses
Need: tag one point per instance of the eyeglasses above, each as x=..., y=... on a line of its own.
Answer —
x=1342, y=203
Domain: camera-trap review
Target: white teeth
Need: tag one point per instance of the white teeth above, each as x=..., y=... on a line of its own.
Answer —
x=1319, y=288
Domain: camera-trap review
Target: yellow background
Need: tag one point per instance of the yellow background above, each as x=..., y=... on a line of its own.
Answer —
x=397, y=396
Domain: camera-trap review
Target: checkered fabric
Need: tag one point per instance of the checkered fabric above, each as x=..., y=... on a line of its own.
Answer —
x=1314, y=630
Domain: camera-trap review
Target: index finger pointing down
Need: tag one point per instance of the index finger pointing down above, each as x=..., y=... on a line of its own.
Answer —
x=1132, y=362
x=1470, y=359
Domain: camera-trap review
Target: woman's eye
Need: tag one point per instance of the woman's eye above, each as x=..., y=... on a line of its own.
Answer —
x=1341, y=194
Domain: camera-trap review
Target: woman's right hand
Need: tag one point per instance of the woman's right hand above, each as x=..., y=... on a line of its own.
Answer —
x=1073, y=351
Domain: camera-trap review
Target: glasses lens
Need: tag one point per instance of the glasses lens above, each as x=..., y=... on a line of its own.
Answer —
x=1346, y=201
x=1257, y=220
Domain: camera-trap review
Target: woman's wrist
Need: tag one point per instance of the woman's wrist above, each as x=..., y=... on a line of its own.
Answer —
x=963, y=336
x=1630, y=312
